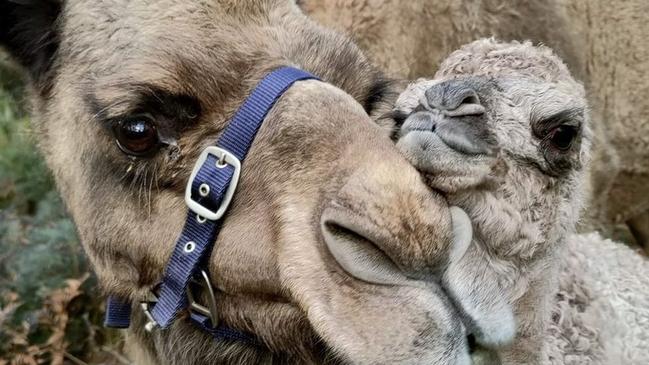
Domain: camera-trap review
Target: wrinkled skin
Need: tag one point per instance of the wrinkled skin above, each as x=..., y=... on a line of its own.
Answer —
x=308, y=186
x=503, y=131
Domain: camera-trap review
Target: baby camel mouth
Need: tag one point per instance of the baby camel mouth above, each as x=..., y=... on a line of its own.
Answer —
x=466, y=134
x=452, y=153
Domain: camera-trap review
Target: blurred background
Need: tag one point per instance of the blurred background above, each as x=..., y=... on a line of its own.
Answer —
x=50, y=311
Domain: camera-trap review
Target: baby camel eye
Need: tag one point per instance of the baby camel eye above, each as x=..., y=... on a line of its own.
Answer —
x=137, y=136
x=562, y=136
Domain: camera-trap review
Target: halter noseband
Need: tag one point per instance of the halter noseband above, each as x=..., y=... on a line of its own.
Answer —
x=209, y=191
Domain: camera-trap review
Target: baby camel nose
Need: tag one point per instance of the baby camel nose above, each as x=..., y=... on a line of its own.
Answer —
x=453, y=98
x=450, y=112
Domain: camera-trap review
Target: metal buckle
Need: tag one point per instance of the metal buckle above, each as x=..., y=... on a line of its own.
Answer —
x=224, y=158
x=210, y=310
x=151, y=324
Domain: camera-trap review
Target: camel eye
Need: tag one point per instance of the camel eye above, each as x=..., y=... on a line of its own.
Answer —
x=562, y=137
x=137, y=136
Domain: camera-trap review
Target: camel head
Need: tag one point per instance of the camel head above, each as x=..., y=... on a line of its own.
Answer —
x=503, y=132
x=332, y=247
x=507, y=118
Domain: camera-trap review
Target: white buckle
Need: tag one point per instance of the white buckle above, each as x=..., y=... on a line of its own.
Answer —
x=224, y=158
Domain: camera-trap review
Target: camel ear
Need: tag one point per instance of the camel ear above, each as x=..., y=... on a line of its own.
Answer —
x=28, y=31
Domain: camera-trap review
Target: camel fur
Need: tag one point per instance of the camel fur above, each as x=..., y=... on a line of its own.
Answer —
x=601, y=311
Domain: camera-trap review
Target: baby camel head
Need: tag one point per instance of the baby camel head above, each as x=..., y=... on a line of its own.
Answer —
x=506, y=118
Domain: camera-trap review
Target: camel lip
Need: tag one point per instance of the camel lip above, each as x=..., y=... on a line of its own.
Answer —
x=458, y=133
x=460, y=143
x=433, y=144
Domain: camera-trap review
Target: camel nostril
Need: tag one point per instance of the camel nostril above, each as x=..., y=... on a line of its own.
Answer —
x=385, y=226
x=469, y=105
x=454, y=98
x=471, y=99
x=348, y=240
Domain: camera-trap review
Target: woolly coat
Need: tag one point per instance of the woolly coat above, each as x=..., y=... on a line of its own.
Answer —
x=601, y=315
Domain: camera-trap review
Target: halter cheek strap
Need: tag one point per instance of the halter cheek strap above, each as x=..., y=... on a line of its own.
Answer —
x=209, y=191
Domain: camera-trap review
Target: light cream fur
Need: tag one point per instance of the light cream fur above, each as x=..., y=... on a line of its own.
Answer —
x=601, y=312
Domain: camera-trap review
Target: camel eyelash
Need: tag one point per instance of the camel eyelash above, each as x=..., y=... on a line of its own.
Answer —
x=132, y=99
x=571, y=118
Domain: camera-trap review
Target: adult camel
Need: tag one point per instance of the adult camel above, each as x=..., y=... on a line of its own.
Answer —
x=125, y=95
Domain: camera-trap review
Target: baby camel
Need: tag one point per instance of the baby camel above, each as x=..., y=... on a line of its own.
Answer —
x=503, y=131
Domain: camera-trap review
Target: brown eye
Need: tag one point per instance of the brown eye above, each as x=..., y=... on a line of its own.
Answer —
x=562, y=137
x=137, y=136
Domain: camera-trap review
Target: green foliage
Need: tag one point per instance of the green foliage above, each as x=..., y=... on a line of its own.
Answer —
x=49, y=308
x=23, y=177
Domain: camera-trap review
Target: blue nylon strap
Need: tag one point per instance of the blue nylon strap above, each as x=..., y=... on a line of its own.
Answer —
x=243, y=127
x=118, y=313
x=237, y=139
x=221, y=331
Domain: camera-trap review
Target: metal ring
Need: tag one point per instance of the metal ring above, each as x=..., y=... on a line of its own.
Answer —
x=189, y=247
x=200, y=219
x=204, y=190
x=203, y=282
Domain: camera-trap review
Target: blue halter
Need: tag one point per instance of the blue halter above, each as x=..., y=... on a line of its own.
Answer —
x=210, y=189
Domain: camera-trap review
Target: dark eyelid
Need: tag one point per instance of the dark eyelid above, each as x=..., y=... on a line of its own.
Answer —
x=146, y=99
x=571, y=117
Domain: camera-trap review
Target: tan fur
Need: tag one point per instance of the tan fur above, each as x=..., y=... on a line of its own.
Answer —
x=521, y=207
x=411, y=38
x=603, y=43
